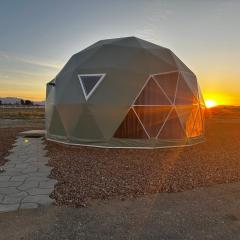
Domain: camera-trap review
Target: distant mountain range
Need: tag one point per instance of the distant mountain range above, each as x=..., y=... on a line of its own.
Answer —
x=13, y=100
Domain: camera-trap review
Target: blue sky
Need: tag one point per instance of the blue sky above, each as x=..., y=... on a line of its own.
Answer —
x=38, y=37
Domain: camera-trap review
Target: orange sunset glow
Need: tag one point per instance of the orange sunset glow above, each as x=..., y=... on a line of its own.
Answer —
x=210, y=103
x=31, y=58
x=120, y=119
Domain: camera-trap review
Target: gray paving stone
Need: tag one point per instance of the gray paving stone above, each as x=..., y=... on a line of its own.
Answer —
x=39, y=191
x=40, y=199
x=48, y=184
x=21, y=165
x=25, y=182
x=29, y=185
x=9, y=164
x=43, y=161
x=4, y=178
x=1, y=197
x=39, y=174
x=8, y=190
x=8, y=207
x=19, y=178
x=44, y=168
x=28, y=161
x=12, y=172
x=10, y=183
x=3, y=174
x=37, y=164
x=28, y=205
x=14, y=198
x=30, y=169
x=37, y=178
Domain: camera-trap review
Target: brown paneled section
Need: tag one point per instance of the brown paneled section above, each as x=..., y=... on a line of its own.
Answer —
x=130, y=127
x=152, y=118
x=172, y=128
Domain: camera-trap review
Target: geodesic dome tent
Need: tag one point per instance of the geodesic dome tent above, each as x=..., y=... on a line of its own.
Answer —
x=125, y=92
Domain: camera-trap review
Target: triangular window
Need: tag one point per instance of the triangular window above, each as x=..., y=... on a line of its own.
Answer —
x=172, y=128
x=198, y=126
x=152, y=118
x=152, y=95
x=201, y=99
x=187, y=116
x=168, y=83
x=89, y=83
x=131, y=127
x=184, y=95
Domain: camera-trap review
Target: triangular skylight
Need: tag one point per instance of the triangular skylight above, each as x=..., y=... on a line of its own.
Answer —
x=89, y=83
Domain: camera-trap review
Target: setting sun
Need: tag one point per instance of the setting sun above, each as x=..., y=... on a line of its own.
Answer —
x=210, y=103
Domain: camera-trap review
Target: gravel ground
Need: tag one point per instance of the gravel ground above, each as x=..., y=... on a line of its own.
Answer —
x=85, y=174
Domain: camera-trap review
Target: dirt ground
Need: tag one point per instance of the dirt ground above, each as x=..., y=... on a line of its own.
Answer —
x=20, y=112
x=204, y=213
x=107, y=177
x=86, y=174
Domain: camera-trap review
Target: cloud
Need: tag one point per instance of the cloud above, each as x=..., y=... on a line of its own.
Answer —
x=12, y=74
x=33, y=61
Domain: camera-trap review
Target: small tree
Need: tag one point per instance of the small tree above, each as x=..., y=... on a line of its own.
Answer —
x=22, y=102
x=28, y=103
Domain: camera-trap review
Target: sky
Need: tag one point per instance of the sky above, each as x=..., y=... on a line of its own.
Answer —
x=38, y=37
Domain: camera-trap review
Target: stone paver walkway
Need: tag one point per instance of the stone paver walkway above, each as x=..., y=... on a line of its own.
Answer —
x=25, y=182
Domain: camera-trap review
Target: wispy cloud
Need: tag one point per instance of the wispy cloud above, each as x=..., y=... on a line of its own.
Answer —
x=33, y=61
x=12, y=74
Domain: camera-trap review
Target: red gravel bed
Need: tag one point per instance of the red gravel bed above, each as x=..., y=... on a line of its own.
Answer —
x=85, y=174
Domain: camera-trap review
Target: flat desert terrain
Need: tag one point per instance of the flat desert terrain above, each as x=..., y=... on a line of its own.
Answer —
x=181, y=193
x=86, y=174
